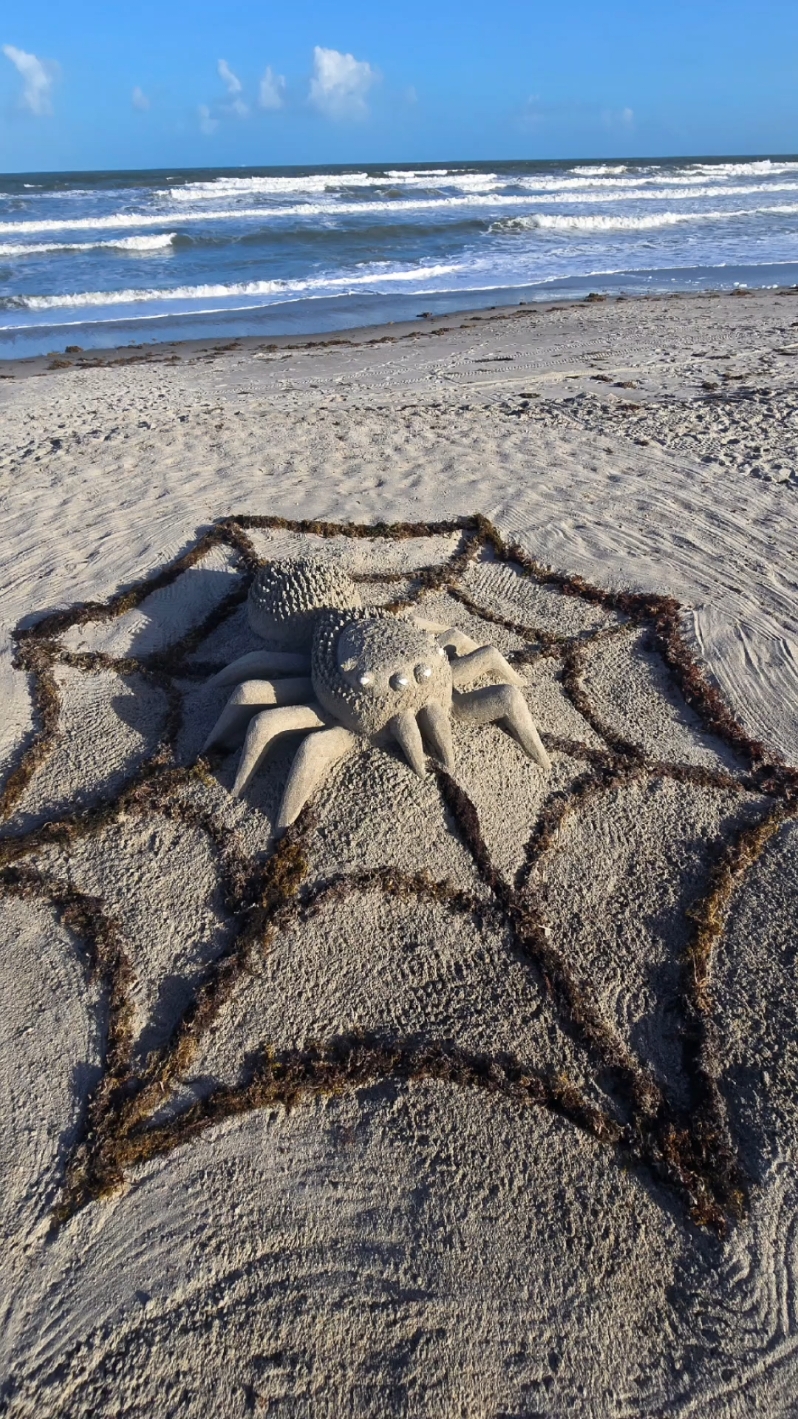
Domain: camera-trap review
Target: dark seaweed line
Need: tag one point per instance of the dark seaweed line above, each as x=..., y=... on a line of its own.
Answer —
x=85, y=916
x=121, y=1133
x=121, y=1100
x=706, y=1141
x=109, y=963
x=699, y=1164
x=709, y=1123
x=770, y=777
x=343, y=1066
x=575, y=1013
x=275, y=903
x=707, y=1137
x=662, y=613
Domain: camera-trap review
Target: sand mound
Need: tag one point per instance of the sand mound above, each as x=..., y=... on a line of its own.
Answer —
x=472, y=1095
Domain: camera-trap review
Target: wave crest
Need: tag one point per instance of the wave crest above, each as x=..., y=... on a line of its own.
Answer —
x=132, y=243
x=554, y=222
x=145, y=296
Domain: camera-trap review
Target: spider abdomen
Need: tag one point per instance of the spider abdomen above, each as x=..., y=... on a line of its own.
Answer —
x=286, y=597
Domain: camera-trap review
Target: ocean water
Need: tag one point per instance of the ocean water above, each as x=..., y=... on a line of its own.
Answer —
x=109, y=258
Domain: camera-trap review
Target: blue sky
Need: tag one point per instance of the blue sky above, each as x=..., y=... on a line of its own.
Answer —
x=94, y=83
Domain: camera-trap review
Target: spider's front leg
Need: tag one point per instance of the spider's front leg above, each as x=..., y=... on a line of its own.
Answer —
x=502, y=704
x=470, y=659
x=493, y=704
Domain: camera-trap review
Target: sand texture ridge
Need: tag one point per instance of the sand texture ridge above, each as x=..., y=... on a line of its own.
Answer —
x=472, y=1094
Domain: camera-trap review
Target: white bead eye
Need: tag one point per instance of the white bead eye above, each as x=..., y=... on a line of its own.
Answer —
x=398, y=681
x=422, y=673
x=441, y=650
x=365, y=679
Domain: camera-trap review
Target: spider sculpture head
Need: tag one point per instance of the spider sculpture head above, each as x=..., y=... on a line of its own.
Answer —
x=348, y=673
x=368, y=670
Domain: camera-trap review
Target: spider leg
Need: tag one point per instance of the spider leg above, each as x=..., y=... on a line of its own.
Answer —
x=264, y=729
x=502, y=703
x=485, y=660
x=407, y=734
x=314, y=759
x=471, y=658
x=436, y=728
x=258, y=663
x=252, y=696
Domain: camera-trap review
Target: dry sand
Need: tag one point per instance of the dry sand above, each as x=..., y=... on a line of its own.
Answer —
x=518, y=1229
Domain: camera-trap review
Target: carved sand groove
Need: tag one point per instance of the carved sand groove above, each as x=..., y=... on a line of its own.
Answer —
x=692, y=1153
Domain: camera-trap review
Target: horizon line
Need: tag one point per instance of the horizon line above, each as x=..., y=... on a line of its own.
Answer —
x=403, y=163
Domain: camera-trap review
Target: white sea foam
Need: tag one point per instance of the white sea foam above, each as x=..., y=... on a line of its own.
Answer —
x=314, y=184
x=409, y=175
x=138, y=244
x=375, y=277
x=760, y=168
x=617, y=223
x=599, y=169
x=602, y=176
x=143, y=243
x=267, y=186
x=477, y=201
x=131, y=243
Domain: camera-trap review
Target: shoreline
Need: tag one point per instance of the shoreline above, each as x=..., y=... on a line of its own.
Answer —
x=425, y=324
x=139, y=353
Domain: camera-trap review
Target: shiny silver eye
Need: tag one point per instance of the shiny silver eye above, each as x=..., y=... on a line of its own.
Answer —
x=422, y=673
x=365, y=679
x=398, y=681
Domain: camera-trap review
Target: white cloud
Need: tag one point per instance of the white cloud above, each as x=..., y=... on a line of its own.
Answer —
x=234, y=88
x=340, y=83
x=37, y=81
x=139, y=100
x=234, y=84
x=272, y=88
x=207, y=123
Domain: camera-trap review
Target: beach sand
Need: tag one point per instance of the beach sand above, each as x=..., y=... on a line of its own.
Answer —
x=471, y=1096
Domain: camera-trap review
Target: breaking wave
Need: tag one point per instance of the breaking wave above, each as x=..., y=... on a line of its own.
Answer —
x=132, y=243
x=305, y=210
x=220, y=291
x=542, y=221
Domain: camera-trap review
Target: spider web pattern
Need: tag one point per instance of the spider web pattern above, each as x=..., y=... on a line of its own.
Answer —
x=688, y=1148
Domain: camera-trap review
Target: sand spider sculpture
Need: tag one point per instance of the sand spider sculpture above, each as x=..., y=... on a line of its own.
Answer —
x=354, y=672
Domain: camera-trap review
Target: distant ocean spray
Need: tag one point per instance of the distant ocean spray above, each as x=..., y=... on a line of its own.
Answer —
x=114, y=258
